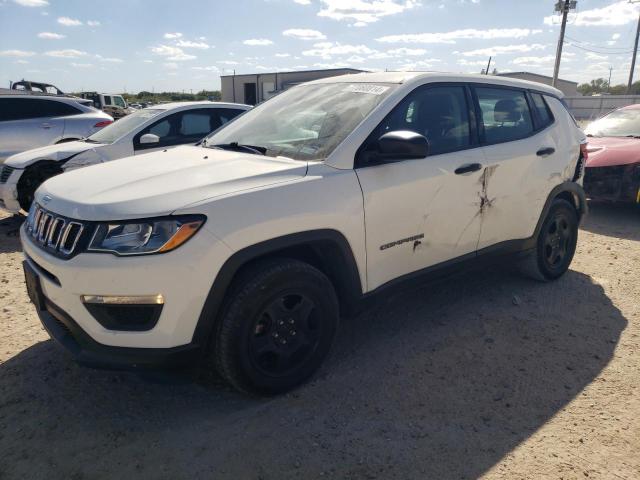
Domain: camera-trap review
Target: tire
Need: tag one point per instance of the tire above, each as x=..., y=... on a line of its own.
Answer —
x=555, y=245
x=277, y=326
x=32, y=178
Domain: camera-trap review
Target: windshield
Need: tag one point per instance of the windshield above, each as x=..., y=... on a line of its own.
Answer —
x=306, y=122
x=116, y=130
x=619, y=123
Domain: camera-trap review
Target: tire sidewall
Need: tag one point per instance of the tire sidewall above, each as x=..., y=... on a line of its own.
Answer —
x=244, y=309
x=558, y=207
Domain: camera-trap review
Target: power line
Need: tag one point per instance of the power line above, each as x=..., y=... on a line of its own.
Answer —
x=595, y=51
x=617, y=49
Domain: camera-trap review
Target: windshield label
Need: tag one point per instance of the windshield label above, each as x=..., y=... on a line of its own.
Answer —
x=366, y=88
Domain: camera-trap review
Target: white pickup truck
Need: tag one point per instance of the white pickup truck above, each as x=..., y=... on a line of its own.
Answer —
x=248, y=248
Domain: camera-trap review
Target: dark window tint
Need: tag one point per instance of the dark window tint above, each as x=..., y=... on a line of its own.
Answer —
x=505, y=114
x=197, y=123
x=25, y=108
x=107, y=100
x=439, y=113
x=542, y=109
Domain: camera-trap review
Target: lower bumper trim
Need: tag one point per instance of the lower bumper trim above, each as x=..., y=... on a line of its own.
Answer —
x=66, y=332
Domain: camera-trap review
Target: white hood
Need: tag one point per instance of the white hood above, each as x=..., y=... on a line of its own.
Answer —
x=58, y=152
x=159, y=183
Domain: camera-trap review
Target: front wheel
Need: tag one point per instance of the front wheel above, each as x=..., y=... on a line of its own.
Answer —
x=555, y=245
x=277, y=326
x=32, y=178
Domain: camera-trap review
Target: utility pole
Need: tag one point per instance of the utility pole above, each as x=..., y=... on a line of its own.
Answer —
x=486, y=72
x=563, y=6
x=609, y=82
x=635, y=51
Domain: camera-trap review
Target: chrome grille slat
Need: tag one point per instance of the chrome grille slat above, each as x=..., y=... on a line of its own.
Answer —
x=5, y=173
x=54, y=233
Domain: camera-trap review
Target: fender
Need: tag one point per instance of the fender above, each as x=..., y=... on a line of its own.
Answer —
x=330, y=247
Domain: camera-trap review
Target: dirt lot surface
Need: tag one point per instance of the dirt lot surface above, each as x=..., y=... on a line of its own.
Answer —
x=483, y=375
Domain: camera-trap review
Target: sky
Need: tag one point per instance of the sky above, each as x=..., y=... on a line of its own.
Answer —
x=163, y=45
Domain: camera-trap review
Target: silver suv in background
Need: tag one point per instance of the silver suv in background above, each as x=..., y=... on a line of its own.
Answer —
x=29, y=121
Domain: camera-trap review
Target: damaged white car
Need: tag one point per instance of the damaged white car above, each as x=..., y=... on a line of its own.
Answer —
x=144, y=131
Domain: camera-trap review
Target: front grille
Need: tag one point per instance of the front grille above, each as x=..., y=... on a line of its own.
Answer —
x=58, y=235
x=5, y=173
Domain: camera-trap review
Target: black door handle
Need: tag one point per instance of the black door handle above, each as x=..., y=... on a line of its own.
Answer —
x=543, y=152
x=467, y=168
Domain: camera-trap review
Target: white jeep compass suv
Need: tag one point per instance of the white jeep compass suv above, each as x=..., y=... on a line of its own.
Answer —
x=248, y=249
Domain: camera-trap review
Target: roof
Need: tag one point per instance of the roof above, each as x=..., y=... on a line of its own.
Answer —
x=506, y=74
x=296, y=71
x=420, y=77
x=204, y=103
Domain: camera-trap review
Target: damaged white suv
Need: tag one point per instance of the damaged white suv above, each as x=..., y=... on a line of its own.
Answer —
x=245, y=251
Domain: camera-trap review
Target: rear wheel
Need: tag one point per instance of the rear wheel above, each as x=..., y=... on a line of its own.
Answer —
x=555, y=245
x=277, y=327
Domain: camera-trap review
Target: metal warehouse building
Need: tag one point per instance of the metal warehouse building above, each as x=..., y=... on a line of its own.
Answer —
x=256, y=87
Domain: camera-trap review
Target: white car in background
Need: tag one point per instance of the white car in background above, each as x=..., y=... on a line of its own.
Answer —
x=144, y=131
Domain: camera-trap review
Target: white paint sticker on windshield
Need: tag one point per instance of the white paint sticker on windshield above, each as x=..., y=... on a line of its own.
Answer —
x=366, y=88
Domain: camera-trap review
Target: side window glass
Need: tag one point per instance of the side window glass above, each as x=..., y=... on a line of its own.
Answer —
x=119, y=101
x=505, y=114
x=439, y=113
x=107, y=100
x=544, y=114
x=195, y=124
x=160, y=129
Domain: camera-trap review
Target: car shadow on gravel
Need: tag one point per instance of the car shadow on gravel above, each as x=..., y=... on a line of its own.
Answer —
x=437, y=381
x=9, y=231
x=620, y=220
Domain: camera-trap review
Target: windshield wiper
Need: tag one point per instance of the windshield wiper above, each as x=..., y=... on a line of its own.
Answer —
x=255, y=149
x=632, y=136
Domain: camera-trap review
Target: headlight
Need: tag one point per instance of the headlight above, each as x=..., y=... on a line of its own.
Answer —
x=142, y=237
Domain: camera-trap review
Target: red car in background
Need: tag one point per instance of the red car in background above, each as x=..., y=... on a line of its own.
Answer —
x=613, y=165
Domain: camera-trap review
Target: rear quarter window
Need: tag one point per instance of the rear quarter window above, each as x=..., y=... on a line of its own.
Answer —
x=544, y=117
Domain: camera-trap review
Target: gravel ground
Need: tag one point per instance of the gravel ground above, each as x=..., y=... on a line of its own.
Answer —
x=483, y=375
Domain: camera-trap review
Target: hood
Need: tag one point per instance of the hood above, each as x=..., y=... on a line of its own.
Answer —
x=612, y=151
x=58, y=152
x=159, y=183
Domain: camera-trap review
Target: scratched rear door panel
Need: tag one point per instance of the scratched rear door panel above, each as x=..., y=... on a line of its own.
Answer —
x=513, y=188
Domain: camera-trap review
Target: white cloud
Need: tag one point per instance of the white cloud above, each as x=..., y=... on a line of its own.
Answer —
x=69, y=22
x=506, y=49
x=32, y=3
x=22, y=62
x=613, y=15
x=595, y=56
x=407, y=51
x=304, y=34
x=282, y=55
x=537, y=62
x=228, y=62
x=356, y=59
x=81, y=65
x=258, y=42
x=170, y=65
x=210, y=68
x=170, y=36
x=420, y=65
x=327, y=49
x=615, y=36
x=364, y=11
x=172, y=53
x=302, y=2
x=66, y=53
x=109, y=59
x=471, y=63
x=93, y=23
x=189, y=44
x=50, y=36
x=148, y=61
x=465, y=34
x=330, y=65
x=16, y=53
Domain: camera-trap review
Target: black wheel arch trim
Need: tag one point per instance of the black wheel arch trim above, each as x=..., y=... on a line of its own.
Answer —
x=330, y=245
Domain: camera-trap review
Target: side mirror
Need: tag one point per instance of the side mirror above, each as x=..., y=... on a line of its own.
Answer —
x=402, y=145
x=149, y=138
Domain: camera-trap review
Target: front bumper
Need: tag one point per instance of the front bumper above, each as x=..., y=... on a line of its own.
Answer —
x=183, y=276
x=620, y=183
x=9, y=192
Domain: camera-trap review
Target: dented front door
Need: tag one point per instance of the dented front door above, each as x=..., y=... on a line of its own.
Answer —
x=420, y=213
